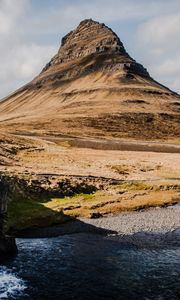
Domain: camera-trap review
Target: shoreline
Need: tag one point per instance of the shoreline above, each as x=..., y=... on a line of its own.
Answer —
x=154, y=227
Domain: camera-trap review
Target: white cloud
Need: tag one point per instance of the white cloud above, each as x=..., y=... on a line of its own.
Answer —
x=9, y=12
x=24, y=60
x=22, y=63
x=63, y=16
x=169, y=67
x=162, y=31
x=169, y=72
x=176, y=84
x=159, y=40
x=20, y=59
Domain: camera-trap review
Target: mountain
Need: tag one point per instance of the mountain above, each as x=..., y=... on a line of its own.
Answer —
x=92, y=87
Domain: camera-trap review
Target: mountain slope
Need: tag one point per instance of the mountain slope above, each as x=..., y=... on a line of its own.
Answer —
x=92, y=87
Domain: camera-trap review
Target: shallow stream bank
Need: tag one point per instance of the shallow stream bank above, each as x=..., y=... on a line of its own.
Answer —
x=131, y=255
x=155, y=226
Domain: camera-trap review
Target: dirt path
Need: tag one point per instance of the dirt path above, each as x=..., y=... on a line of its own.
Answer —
x=104, y=144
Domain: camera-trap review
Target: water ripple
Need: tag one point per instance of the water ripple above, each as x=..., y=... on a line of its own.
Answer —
x=11, y=286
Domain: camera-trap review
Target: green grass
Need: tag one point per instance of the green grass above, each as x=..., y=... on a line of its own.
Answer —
x=79, y=197
x=58, y=204
x=24, y=213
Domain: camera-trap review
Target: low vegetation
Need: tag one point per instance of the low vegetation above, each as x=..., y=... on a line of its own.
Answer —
x=25, y=213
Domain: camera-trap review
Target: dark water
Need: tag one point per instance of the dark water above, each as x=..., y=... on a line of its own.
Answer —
x=89, y=266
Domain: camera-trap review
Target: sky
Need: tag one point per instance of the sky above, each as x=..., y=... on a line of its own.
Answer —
x=31, y=32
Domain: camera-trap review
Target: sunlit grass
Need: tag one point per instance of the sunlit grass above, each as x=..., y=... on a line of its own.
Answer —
x=26, y=213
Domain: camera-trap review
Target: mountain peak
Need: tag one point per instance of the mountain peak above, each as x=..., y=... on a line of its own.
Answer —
x=89, y=34
x=92, y=86
x=90, y=37
x=88, y=22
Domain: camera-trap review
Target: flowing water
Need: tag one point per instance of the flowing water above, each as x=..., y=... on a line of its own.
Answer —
x=89, y=266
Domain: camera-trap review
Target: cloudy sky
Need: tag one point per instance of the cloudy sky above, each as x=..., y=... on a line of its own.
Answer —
x=31, y=31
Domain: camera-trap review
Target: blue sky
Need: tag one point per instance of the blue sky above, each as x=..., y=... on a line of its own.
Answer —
x=31, y=31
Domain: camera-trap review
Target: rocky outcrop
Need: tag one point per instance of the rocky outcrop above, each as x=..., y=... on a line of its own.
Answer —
x=8, y=247
x=92, y=38
x=7, y=244
x=88, y=38
x=42, y=187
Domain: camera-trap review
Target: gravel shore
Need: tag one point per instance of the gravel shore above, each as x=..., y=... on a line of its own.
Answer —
x=156, y=227
x=151, y=220
x=153, y=228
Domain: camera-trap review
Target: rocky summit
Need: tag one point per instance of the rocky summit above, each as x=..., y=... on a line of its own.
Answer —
x=92, y=87
x=91, y=38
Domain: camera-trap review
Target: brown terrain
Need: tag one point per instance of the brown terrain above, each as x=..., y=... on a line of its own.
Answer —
x=92, y=87
x=92, y=134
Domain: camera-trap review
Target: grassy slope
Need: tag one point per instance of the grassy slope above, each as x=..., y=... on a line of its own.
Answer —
x=25, y=213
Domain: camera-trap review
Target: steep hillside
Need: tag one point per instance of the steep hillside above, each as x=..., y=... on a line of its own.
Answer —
x=92, y=87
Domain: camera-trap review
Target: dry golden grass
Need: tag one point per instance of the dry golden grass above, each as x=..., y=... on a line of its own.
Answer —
x=104, y=203
x=122, y=169
x=148, y=179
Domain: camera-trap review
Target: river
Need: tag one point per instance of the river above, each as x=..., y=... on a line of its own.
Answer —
x=90, y=266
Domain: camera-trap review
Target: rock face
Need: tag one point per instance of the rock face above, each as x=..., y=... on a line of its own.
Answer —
x=8, y=247
x=7, y=244
x=93, y=87
x=79, y=43
x=89, y=40
x=93, y=38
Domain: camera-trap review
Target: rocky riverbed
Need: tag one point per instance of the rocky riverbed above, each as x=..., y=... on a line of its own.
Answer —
x=151, y=220
x=157, y=227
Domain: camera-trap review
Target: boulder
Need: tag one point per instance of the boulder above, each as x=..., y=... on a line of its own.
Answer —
x=8, y=247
